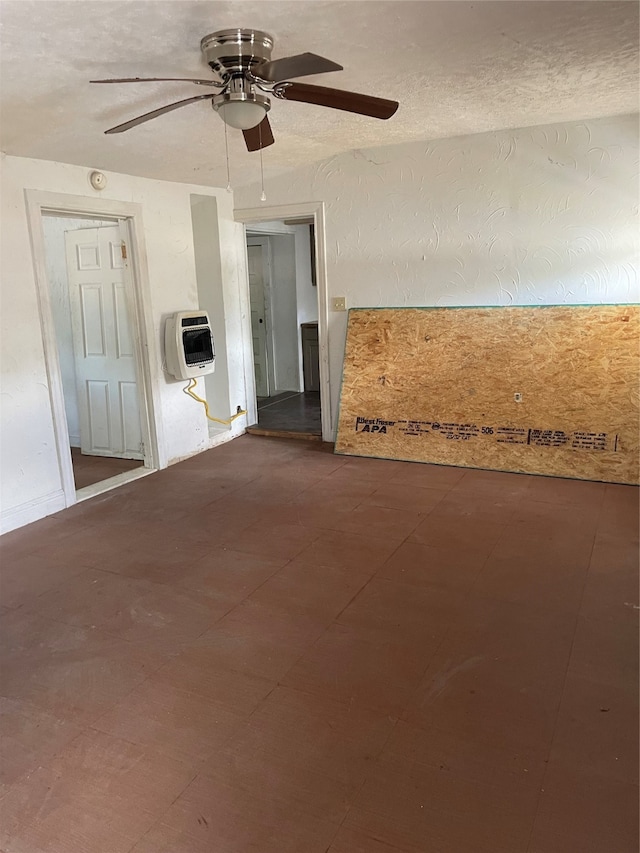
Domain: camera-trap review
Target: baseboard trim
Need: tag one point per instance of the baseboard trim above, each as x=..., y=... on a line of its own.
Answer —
x=215, y=440
x=32, y=510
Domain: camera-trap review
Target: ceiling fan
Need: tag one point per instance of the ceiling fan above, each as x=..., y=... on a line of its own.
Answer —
x=248, y=77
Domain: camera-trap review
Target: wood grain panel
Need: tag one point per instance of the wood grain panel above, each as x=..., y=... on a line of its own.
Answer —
x=439, y=385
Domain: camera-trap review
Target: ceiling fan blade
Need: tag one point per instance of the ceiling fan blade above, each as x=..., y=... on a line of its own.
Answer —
x=148, y=116
x=158, y=80
x=301, y=65
x=260, y=136
x=338, y=99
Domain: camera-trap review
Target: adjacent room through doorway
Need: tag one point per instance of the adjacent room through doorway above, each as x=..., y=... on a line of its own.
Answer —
x=96, y=357
x=284, y=327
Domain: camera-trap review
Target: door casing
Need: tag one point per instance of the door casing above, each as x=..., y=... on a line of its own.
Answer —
x=303, y=210
x=129, y=217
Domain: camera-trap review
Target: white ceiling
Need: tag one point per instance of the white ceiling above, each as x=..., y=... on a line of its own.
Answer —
x=456, y=67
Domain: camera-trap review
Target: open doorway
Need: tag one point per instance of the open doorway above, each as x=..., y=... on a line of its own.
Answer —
x=283, y=300
x=99, y=370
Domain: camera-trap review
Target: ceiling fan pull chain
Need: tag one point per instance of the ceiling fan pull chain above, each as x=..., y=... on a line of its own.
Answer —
x=226, y=148
x=263, y=196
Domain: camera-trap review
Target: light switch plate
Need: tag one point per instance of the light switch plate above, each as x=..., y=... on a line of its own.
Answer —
x=339, y=303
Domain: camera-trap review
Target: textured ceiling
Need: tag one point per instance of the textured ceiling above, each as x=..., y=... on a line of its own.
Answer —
x=456, y=67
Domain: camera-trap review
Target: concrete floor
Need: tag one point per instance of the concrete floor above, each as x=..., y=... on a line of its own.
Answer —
x=273, y=649
x=291, y=412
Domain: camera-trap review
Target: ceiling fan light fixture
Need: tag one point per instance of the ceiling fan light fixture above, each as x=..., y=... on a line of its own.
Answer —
x=248, y=78
x=242, y=115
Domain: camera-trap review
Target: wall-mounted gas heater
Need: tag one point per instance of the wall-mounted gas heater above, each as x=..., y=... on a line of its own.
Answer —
x=188, y=344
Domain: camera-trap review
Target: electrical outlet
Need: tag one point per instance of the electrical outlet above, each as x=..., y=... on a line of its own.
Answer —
x=339, y=303
x=517, y=397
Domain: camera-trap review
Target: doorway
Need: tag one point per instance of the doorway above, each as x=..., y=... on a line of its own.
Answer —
x=94, y=329
x=284, y=328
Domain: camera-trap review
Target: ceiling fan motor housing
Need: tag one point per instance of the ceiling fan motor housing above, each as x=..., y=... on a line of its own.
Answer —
x=231, y=52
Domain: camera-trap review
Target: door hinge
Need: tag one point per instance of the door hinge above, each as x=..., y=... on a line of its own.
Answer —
x=123, y=248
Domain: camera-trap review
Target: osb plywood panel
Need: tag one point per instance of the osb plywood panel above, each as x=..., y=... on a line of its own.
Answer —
x=440, y=385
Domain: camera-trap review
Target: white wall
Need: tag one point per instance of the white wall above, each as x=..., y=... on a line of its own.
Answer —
x=540, y=215
x=274, y=226
x=31, y=485
x=206, y=245
x=306, y=293
x=54, y=228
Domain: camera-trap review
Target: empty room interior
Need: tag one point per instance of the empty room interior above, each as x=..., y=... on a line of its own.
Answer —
x=319, y=450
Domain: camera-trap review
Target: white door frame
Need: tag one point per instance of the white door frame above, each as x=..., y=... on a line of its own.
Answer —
x=137, y=290
x=302, y=210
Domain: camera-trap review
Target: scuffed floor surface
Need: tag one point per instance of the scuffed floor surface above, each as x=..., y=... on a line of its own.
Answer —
x=272, y=649
x=88, y=470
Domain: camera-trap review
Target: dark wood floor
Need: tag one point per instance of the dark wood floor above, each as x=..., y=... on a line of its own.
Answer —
x=291, y=412
x=268, y=648
x=88, y=470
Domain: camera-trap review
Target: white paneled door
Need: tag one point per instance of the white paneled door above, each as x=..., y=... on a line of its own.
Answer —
x=258, y=319
x=108, y=399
